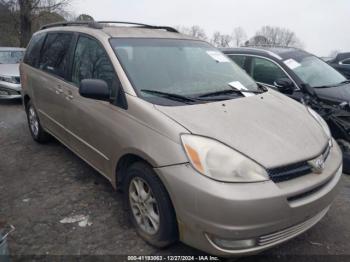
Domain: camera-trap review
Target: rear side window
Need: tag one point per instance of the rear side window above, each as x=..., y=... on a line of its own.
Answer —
x=265, y=71
x=32, y=56
x=239, y=60
x=92, y=62
x=55, y=53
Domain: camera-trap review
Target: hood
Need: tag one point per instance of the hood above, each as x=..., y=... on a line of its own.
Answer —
x=9, y=70
x=339, y=93
x=271, y=129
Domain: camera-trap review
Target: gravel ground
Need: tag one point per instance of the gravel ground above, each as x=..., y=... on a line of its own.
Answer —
x=40, y=185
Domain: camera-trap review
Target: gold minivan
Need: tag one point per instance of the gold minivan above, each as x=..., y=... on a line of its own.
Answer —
x=202, y=153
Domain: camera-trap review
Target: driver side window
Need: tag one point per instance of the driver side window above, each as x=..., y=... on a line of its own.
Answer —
x=92, y=62
x=265, y=71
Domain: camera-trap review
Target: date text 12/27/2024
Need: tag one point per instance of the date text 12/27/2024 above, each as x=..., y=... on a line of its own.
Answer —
x=173, y=258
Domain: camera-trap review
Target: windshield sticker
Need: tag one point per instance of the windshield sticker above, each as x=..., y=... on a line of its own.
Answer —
x=239, y=86
x=292, y=64
x=218, y=57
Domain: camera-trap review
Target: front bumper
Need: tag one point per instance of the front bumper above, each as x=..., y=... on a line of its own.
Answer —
x=9, y=90
x=266, y=213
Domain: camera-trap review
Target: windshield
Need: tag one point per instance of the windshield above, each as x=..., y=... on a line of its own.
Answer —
x=181, y=67
x=11, y=57
x=315, y=72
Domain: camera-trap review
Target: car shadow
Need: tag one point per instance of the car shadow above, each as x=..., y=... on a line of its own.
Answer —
x=15, y=102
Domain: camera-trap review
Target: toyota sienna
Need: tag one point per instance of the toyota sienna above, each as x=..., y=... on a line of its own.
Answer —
x=202, y=153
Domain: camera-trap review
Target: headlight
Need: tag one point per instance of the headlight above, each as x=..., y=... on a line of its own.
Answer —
x=321, y=121
x=220, y=162
x=9, y=79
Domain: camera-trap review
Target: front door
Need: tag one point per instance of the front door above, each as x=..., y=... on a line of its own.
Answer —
x=91, y=122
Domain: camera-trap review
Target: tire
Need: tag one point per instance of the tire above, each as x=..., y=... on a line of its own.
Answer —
x=345, y=147
x=35, y=128
x=146, y=199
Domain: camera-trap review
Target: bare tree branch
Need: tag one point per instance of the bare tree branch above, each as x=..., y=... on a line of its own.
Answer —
x=275, y=36
x=239, y=36
x=27, y=13
x=221, y=40
x=195, y=31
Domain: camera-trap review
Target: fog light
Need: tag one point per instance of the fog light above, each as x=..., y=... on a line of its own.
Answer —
x=232, y=244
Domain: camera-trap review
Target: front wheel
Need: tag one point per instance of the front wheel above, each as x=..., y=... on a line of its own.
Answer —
x=150, y=208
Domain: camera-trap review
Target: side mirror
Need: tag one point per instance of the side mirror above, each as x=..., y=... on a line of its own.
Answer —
x=284, y=85
x=344, y=105
x=95, y=89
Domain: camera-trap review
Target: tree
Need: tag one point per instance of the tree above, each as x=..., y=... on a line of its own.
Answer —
x=258, y=40
x=45, y=18
x=85, y=18
x=221, y=40
x=275, y=36
x=239, y=36
x=194, y=31
x=27, y=11
x=9, y=26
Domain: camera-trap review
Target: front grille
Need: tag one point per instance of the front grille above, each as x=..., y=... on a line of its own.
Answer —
x=290, y=232
x=295, y=170
x=288, y=172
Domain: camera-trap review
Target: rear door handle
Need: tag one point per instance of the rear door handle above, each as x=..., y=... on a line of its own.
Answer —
x=69, y=96
x=59, y=90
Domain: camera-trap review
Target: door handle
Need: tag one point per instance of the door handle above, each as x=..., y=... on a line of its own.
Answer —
x=69, y=95
x=59, y=90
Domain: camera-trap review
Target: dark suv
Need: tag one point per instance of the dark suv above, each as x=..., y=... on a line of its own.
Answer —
x=293, y=71
x=342, y=63
x=270, y=65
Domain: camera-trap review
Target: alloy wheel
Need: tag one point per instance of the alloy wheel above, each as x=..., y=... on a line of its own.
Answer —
x=144, y=206
x=33, y=121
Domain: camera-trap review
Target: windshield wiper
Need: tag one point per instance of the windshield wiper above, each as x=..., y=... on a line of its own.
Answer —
x=344, y=82
x=325, y=86
x=262, y=87
x=336, y=85
x=230, y=91
x=169, y=95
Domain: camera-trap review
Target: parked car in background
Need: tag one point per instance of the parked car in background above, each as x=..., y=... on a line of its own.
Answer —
x=202, y=153
x=10, y=83
x=290, y=68
x=342, y=63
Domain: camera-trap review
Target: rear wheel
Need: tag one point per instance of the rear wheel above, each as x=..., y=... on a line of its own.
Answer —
x=36, y=130
x=150, y=208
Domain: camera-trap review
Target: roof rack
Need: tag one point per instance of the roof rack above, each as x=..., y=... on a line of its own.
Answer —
x=100, y=25
x=167, y=28
x=268, y=45
x=91, y=24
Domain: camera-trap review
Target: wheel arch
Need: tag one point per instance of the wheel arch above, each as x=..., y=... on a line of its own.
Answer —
x=125, y=161
x=26, y=99
x=121, y=173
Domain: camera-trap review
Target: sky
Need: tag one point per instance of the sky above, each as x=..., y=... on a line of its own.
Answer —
x=321, y=25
